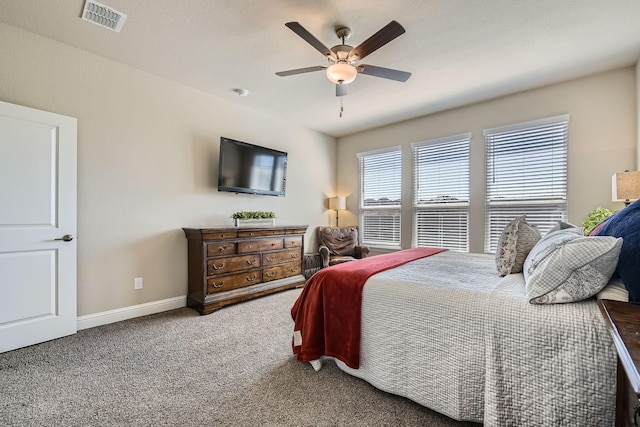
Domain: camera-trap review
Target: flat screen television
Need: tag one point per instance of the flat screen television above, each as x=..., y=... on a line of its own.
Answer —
x=248, y=168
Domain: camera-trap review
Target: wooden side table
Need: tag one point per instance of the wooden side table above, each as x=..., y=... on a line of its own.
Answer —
x=623, y=322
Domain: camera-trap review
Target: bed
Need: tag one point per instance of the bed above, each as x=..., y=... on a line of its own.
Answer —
x=451, y=334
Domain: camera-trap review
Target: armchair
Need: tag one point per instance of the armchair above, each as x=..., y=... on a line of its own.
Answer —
x=340, y=244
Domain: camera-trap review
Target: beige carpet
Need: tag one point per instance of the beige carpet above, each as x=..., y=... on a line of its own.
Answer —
x=231, y=368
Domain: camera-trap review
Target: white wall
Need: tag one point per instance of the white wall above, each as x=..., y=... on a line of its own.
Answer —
x=147, y=165
x=602, y=141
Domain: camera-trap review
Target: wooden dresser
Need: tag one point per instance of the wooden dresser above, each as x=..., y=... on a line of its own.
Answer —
x=230, y=264
x=623, y=321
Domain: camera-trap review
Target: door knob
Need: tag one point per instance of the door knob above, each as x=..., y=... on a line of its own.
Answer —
x=66, y=238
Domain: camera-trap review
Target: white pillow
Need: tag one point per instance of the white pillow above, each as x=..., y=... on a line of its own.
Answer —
x=615, y=291
x=565, y=267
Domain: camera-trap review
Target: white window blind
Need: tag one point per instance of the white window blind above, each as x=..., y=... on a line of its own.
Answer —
x=380, y=198
x=441, y=193
x=526, y=175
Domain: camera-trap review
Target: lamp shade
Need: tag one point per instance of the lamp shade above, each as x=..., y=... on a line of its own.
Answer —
x=338, y=203
x=625, y=186
x=341, y=72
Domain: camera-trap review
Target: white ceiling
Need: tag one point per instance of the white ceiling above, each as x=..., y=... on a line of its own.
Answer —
x=458, y=51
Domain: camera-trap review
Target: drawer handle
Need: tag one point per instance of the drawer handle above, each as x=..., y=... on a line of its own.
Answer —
x=217, y=267
x=273, y=273
x=251, y=279
x=251, y=261
x=294, y=269
x=270, y=259
x=222, y=248
x=294, y=255
x=218, y=286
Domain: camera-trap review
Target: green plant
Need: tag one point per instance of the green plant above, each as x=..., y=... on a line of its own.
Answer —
x=253, y=215
x=595, y=217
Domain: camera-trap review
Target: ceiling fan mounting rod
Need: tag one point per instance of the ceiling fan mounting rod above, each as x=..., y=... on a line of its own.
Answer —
x=343, y=33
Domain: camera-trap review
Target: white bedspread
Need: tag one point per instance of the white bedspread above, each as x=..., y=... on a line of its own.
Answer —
x=448, y=333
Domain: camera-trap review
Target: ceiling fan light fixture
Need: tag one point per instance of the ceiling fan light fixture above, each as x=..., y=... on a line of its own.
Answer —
x=341, y=73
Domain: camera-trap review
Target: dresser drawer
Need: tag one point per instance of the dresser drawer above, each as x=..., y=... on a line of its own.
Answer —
x=293, y=242
x=219, y=266
x=221, y=248
x=233, y=281
x=219, y=234
x=258, y=233
x=275, y=258
x=281, y=271
x=300, y=231
x=259, y=245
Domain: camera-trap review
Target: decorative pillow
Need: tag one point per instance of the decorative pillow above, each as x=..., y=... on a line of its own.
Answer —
x=567, y=267
x=561, y=225
x=626, y=224
x=516, y=241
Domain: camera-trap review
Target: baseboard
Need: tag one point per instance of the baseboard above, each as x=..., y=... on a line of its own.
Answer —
x=117, y=315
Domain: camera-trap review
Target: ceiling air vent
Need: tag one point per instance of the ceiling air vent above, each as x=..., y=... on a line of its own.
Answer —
x=103, y=15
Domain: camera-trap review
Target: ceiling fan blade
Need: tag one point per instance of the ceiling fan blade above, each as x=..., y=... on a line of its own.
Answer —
x=385, y=73
x=379, y=39
x=300, y=71
x=309, y=38
x=342, y=89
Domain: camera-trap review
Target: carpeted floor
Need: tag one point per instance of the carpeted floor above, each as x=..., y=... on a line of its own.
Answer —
x=233, y=367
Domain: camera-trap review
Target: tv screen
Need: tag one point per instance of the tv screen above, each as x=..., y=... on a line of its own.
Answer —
x=248, y=168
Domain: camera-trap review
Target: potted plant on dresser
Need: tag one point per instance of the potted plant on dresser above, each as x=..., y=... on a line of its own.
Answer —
x=253, y=218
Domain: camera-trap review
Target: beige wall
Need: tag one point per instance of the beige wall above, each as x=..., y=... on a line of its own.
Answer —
x=147, y=165
x=147, y=158
x=638, y=114
x=602, y=140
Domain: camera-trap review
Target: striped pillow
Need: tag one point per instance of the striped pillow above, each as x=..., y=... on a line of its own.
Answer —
x=516, y=241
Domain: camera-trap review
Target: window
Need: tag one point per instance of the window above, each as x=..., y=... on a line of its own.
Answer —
x=526, y=175
x=380, y=197
x=441, y=193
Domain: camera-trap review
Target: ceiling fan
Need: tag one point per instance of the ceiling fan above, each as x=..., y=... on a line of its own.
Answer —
x=343, y=59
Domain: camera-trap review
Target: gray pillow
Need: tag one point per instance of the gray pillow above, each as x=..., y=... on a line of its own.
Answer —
x=561, y=225
x=565, y=267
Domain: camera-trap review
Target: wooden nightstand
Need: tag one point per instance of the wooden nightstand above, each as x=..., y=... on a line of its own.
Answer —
x=623, y=322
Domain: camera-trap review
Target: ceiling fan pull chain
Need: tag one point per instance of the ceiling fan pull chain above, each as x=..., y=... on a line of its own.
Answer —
x=341, y=107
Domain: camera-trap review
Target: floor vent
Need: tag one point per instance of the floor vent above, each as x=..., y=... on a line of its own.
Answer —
x=103, y=15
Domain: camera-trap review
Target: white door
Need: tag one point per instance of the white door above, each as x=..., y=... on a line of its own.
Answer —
x=37, y=209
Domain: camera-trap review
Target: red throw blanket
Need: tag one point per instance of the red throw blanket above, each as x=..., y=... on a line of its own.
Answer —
x=327, y=313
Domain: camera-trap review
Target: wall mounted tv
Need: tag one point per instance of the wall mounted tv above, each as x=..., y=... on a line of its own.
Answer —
x=248, y=168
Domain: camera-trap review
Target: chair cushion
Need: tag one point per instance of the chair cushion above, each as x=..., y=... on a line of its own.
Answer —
x=339, y=241
x=340, y=259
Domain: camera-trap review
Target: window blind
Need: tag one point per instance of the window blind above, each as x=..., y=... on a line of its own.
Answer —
x=526, y=175
x=441, y=193
x=380, y=198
